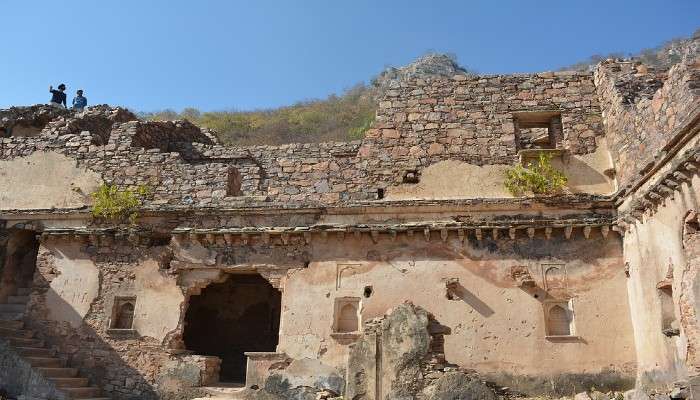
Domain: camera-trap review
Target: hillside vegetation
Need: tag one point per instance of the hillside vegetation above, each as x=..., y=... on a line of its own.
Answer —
x=336, y=118
x=662, y=56
x=347, y=116
x=342, y=117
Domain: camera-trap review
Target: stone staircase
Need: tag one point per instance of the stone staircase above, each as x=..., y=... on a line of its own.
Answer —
x=36, y=353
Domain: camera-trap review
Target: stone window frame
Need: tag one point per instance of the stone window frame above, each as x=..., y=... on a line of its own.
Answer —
x=117, y=303
x=338, y=304
x=567, y=305
x=549, y=119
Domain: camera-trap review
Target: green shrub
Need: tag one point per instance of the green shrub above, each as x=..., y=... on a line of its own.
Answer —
x=118, y=205
x=358, y=131
x=336, y=118
x=538, y=177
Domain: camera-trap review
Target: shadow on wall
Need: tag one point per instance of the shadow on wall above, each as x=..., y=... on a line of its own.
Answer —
x=583, y=178
x=459, y=291
x=81, y=339
x=84, y=347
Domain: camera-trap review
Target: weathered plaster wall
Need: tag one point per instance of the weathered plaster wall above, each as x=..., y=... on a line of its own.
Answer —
x=158, y=298
x=652, y=248
x=588, y=173
x=496, y=326
x=45, y=180
x=126, y=364
x=452, y=179
x=75, y=286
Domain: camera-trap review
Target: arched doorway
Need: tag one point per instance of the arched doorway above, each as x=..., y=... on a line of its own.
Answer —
x=18, y=261
x=227, y=319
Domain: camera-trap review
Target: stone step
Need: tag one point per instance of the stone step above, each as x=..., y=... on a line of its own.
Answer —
x=11, y=316
x=81, y=392
x=96, y=398
x=26, y=342
x=58, y=372
x=16, y=333
x=69, y=382
x=18, y=299
x=9, y=324
x=23, y=291
x=12, y=308
x=35, y=352
x=47, y=362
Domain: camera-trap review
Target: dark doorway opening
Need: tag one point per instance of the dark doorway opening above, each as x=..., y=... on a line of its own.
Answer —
x=17, y=261
x=241, y=314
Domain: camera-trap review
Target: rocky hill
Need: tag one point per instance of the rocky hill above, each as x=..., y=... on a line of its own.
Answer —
x=336, y=118
x=662, y=56
x=347, y=116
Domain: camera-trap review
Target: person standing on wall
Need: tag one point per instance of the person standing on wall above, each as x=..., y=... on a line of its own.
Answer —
x=58, y=97
x=79, y=101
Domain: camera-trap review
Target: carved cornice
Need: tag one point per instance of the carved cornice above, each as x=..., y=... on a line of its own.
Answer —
x=664, y=186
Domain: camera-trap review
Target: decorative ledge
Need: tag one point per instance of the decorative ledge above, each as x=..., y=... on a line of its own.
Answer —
x=563, y=338
x=122, y=333
x=261, y=355
x=346, y=336
x=531, y=154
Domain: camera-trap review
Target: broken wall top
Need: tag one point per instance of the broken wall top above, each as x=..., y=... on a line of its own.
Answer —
x=420, y=122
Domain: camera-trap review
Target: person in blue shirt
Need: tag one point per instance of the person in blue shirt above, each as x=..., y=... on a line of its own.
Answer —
x=58, y=97
x=79, y=102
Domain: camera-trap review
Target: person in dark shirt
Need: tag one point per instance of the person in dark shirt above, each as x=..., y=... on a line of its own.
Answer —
x=79, y=101
x=58, y=97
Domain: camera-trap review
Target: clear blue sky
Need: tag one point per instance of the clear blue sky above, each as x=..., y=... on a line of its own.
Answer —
x=155, y=54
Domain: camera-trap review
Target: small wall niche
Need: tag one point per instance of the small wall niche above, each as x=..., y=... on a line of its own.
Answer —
x=538, y=129
x=559, y=319
x=123, y=313
x=669, y=324
x=233, y=182
x=411, y=176
x=346, y=315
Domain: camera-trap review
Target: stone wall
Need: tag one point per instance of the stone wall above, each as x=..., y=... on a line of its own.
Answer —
x=472, y=119
x=644, y=109
x=420, y=123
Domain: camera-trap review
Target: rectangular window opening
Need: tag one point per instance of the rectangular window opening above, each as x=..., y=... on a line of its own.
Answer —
x=123, y=313
x=346, y=315
x=538, y=130
x=559, y=319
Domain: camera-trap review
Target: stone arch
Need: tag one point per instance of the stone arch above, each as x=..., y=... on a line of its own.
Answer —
x=19, y=252
x=347, y=320
x=558, y=321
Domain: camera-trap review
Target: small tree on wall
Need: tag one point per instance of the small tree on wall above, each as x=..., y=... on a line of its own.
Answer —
x=537, y=177
x=118, y=205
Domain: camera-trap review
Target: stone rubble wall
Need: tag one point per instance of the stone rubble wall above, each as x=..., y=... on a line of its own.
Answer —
x=125, y=365
x=470, y=118
x=420, y=122
x=36, y=116
x=643, y=108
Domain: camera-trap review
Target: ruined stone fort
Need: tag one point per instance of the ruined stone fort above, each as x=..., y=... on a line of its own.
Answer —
x=394, y=267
